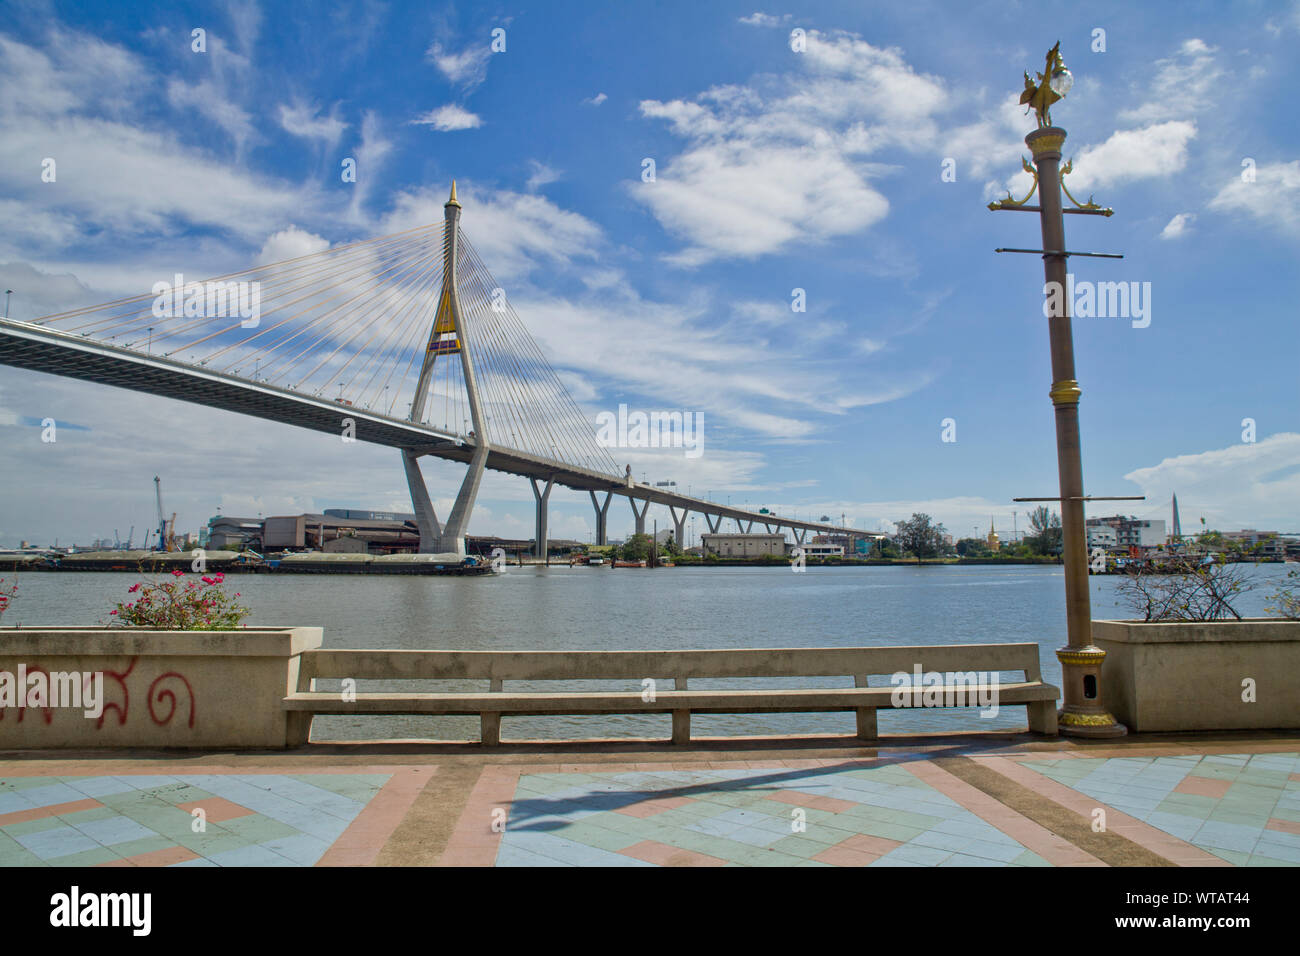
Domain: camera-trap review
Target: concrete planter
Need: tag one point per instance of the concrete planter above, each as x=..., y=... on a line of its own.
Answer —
x=1189, y=675
x=160, y=688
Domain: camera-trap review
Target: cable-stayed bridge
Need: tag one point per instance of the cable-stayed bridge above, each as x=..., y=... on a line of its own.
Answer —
x=405, y=341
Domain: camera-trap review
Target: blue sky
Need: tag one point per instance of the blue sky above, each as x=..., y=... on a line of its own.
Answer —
x=775, y=170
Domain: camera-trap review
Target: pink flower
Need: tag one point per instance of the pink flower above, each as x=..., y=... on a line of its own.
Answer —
x=112, y=612
x=133, y=588
x=178, y=573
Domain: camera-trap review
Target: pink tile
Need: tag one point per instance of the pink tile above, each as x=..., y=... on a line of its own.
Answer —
x=865, y=843
x=165, y=857
x=216, y=809
x=1203, y=786
x=648, y=808
x=652, y=851
x=54, y=810
x=797, y=798
x=846, y=856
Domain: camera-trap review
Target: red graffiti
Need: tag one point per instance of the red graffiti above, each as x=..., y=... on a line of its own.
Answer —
x=168, y=694
x=126, y=696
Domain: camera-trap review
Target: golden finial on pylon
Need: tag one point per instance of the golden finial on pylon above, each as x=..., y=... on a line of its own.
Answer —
x=452, y=201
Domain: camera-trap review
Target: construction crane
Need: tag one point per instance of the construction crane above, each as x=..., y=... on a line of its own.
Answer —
x=130, y=536
x=166, y=529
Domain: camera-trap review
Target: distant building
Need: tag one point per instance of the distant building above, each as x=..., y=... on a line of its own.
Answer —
x=228, y=533
x=315, y=531
x=816, y=549
x=1102, y=536
x=1267, y=544
x=993, y=542
x=744, y=545
x=361, y=515
x=1132, y=532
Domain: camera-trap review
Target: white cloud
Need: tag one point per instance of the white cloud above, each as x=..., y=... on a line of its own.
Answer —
x=290, y=244
x=306, y=121
x=765, y=20
x=466, y=68
x=1254, y=485
x=370, y=154
x=515, y=233
x=542, y=175
x=1273, y=199
x=1184, y=84
x=780, y=161
x=735, y=200
x=449, y=118
x=1178, y=226
x=38, y=293
x=78, y=101
x=596, y=100
x=210, y=102
x=1153, y=151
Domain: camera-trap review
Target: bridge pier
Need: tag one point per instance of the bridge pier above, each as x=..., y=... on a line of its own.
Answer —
x=639, y=515
x=679, y=526
x=799, y=534
x=713, y=523
x=426, y=520
x=740, y=525
x=602, y=514
x=543, y=497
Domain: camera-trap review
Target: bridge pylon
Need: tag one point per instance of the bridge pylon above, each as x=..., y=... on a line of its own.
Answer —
x=448, y=338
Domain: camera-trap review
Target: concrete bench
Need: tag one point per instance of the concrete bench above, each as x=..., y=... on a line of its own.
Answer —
x=956, y=662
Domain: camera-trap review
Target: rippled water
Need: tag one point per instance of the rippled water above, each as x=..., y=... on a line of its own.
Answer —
x=603, y=609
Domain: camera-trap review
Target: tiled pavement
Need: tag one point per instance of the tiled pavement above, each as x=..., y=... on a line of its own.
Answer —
x=210, y=819
x=1175, y=809
x=923, y=806
x=1244, y=808
x=868, y=816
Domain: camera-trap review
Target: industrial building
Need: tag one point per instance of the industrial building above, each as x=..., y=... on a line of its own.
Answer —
x=743, y=545
x=348, y=531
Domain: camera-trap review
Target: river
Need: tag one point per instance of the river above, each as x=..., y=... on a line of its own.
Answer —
x=598, y=609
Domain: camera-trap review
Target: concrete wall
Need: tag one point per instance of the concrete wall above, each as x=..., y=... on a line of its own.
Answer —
x=161, y=688
x=1189, y=675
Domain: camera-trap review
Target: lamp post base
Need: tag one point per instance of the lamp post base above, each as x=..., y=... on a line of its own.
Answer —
x=1083, y=713
x=1073, y=723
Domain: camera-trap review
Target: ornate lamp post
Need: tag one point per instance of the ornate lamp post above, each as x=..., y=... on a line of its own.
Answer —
x=1083, y=712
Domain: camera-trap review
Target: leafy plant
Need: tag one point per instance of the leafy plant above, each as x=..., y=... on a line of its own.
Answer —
x=171, y=605
x=7, y=595
x=1286, y=598
x=1186, y=591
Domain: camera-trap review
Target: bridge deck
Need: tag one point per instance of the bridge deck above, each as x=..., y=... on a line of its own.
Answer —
x=41, y=349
